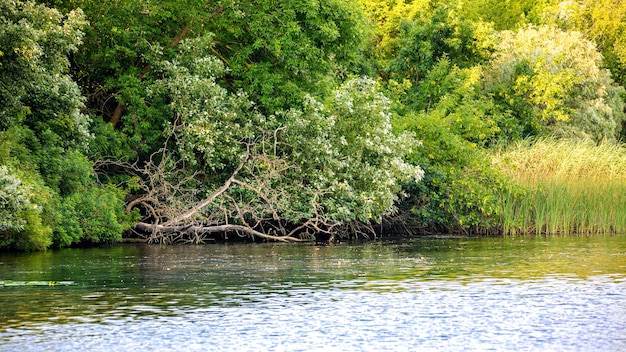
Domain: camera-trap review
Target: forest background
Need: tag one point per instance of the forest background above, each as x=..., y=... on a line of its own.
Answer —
x=188, y=121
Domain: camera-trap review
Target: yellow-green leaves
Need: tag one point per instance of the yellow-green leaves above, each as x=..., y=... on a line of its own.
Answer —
x=554, y=79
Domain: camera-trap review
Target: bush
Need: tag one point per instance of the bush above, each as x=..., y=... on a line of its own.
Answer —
x=22, y=224
x=459, y=192
x=92, y=215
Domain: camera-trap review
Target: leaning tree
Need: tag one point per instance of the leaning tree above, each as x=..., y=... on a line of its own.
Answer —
x=227, y=168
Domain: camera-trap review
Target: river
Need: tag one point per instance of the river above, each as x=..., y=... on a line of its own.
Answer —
x=435, y=294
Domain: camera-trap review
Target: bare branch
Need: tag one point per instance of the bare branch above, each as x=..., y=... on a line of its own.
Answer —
x=212, y=229
x=196, y=208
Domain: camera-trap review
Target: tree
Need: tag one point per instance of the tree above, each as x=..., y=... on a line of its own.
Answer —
x=276, y=54
x=227, y=167
x=387, y=18
x=434, y=73
x=279, y=54
x=459, y=191
x=19, y=215
x=508, y=14
x=36, y=91
x=601, y=21
x=113, y=68
x=345, y=148
x=43, y=132
x=432, y=37
x=553, y=82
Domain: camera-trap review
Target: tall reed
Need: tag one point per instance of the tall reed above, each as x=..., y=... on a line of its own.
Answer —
x=564, y=187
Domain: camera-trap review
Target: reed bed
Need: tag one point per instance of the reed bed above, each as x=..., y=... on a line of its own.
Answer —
x=563, y=187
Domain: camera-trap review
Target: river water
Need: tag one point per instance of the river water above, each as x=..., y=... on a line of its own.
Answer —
x=437, y=294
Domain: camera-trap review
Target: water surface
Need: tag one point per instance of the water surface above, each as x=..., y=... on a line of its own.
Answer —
x=498, y=294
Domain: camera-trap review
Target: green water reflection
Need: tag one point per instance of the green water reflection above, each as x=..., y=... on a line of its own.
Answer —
x=137, y=280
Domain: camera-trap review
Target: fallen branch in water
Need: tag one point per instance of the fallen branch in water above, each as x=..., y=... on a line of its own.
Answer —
x=198, y=229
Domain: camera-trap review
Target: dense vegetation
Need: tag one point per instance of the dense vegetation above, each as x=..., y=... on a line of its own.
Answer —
x=569, y=187
x=295, y=120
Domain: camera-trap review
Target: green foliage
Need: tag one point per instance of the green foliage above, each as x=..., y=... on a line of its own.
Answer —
x=208, y=122
x=43, y=135
x=273, y=83
x=508, y=14
x=13, y=199
x=23, y=224
x=277, y=54
x=445, y=107
x=413, y=36
x=108, y=142
x=34, y=87
x=458, y=98
x=120, y=36
x=388, y=16
x=346, y=152
x=553, y=83
x=54, y=198
x=114, y=66
x=92, y=216
x=460, y=190
x=62, y=170
x=437, y=33
x=126, y=39
x=603, y=22
x=344, y=162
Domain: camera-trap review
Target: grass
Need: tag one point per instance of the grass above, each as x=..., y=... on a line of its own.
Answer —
x=563, y=187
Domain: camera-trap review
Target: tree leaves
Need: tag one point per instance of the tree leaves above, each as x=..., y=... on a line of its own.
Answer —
x=554, y=82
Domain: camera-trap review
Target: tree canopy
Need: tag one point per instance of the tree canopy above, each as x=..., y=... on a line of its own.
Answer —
x=292, y=120
x=554, y=82
x=49, y=194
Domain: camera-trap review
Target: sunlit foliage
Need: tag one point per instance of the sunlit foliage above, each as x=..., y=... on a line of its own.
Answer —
x=553, y=83
x=567, y=187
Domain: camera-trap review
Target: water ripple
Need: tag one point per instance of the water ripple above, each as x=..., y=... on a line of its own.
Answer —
x=464, y=295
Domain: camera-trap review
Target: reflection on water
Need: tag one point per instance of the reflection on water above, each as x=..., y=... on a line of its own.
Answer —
x=556, y=293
